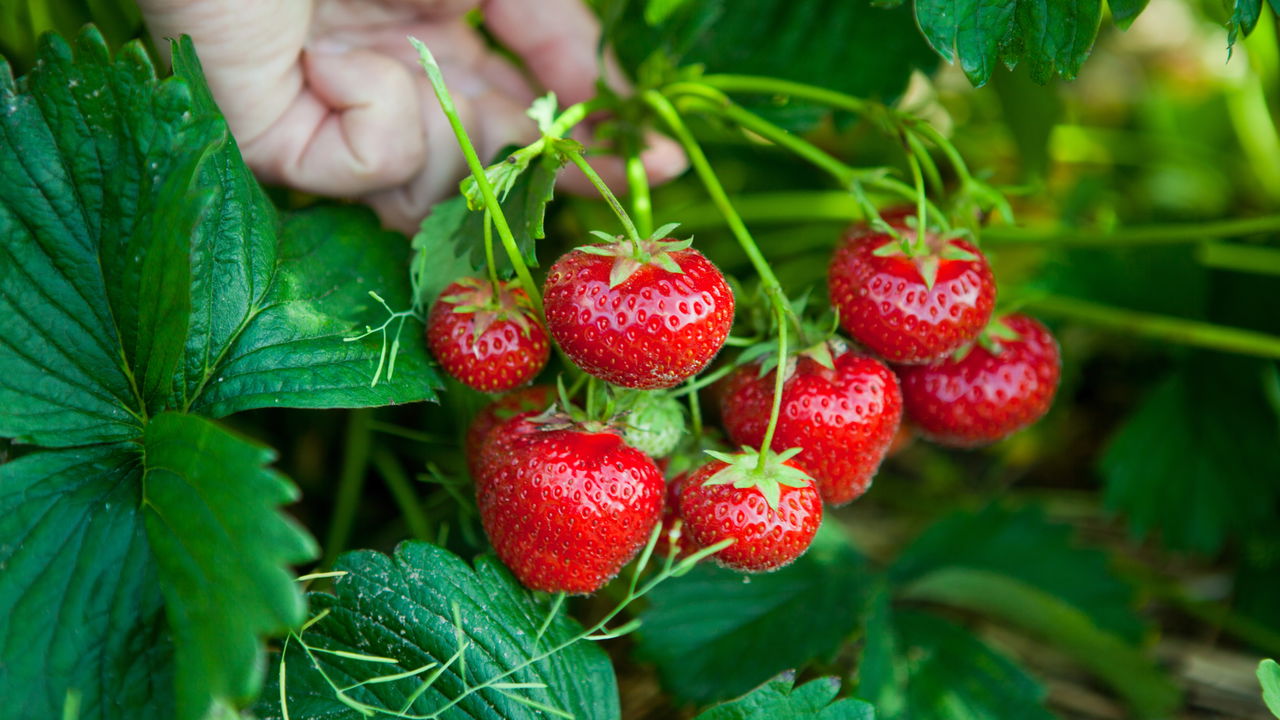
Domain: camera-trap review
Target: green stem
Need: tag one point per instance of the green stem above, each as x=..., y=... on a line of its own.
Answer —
x=1242, y=258
x=488, y=254
x=776, y=86
x=641, y=202
x=719, y=197
x=918, y=177
x=1137, y=235
x=477, y=172
x=632, y=233
x=1161, y=327
x=350, y=483
x=592, y=386
x=779, y=378
x=402, y=491
x=695, y=407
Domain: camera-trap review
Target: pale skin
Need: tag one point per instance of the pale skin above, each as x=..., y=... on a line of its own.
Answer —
x=327, y=96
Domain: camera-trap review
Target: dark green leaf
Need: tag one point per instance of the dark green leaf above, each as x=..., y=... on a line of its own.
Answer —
x=1132, y=675
x=403, y=607
x=846, y=45
x=715, y=634
x=221, y=549
x=80, y=609
x=1022, y=545
x=1050, y=36
x=918, y=666
x=97, y=165
x=1124, y=12
x=1244, y=16
x=292, y=352
x=778, y=700
x=1269, y=678
x=1197, y=460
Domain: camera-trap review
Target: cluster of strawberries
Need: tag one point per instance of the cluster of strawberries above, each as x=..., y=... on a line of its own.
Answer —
x=566, y=503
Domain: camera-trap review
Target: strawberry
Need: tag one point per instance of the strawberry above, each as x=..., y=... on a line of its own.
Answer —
x=654, y=424
x=1003, y=383
x=646, y=320
x=566, y=509
x=490, y=341
x=520, y=404
x=841, y=407
x=770, y=512
x=910, y=307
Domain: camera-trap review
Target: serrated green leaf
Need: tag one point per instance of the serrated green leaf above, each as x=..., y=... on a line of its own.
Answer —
x=1050, y=36
x=292, y=354
x=80, y=609
x=714, y=634
x=917, y=666
x=1148, y=691
x=1269, y=678
x=845, y=45
x=438, y=257
x=1124, y=12
x=1023, y=545
x=777, y=699
x=1196, y=462
x=403, y=607
x=222, y=551
x=1244, y=17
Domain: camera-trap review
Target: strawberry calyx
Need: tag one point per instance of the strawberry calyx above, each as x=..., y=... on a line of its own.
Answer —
x=631, y=255
x=478, y=298
x=744, y=470
x=927, y=256
x=991, y=339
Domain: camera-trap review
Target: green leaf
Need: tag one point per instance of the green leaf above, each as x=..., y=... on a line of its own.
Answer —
x=656, y=11
x=1024, y=546
x=1124, y=12
x=1148, y=691
x=221, y=550
x=403, y=608
x=1197, y=462
x=80, y=609
x=97, y=161
x=1244, y=17
x=1269, y=678
x=845, y=45
x=292, y=353
x=439, y=254
x=919, y=666
x=714, y=633
x=778, y=700
x=1051, y=36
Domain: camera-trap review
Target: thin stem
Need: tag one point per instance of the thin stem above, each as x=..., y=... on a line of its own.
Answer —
x=591, y=397
x=402, y=491
x=1137, y=235
x=477, y=172
x=776, y=86
x=641, y=202
x=1241, y=258
x=350, y=483
x=707, y=175
x=923, y=226
x=488, y=254
x=632, y=233
x=779, y=378
x=695, y=407
x=1161, y=327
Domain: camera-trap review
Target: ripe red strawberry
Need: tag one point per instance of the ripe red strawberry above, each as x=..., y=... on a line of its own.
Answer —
x=647, y=322
x=771, y=513
x=843, y=417
x=491, y=342
x=516, y=405
x=566, y=509
x=1001, y=385
x=910, y=309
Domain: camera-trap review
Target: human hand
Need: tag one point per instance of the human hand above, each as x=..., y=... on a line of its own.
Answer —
x=327, y=96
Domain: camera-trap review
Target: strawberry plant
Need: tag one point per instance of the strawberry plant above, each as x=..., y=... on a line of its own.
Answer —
x=937, y=386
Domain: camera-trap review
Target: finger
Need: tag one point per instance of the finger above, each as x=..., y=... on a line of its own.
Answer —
x=249, y=50
x=557, y=40
x=355, y=129
x=662, y=158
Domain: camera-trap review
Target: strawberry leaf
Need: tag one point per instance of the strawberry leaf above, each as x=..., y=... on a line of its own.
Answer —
x=1269, y=679
x=418, y=607
x=778, y=699
x=712, y=636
